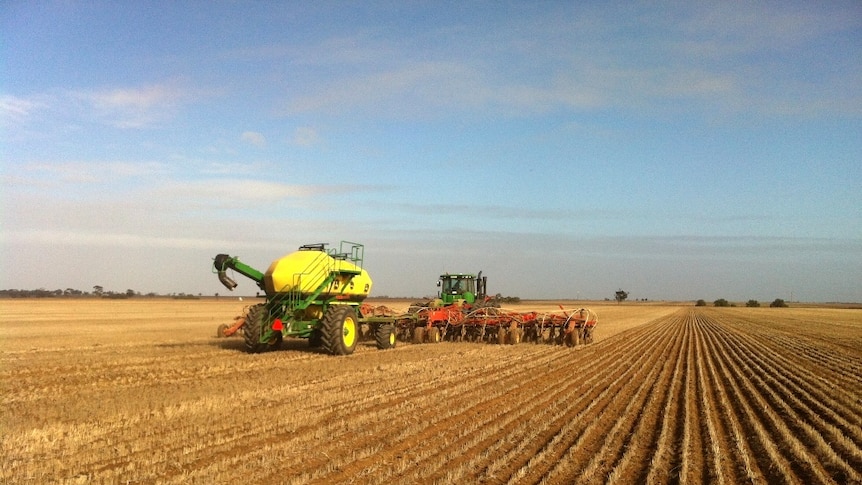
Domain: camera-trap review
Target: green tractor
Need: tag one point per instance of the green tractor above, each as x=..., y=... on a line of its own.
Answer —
x=312, y=293
x=462, y=287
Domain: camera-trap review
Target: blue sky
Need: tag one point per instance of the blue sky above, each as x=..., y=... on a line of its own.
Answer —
x=677, y=151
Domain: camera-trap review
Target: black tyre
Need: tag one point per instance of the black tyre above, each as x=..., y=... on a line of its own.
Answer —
x=501, y=336
x=515, y=336
x=384, y=335
x=573, y=337
x=340, y=330
x=252, y=329
x=418, y=335
x=315, y=340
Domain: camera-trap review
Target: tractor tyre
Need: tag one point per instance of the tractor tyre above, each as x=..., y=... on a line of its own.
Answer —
x=501, y=336
x=384, y=335
x=253, y=327
x=315, y=340
x=418, y=335
x=573, y=337
x=434, y=335
x=340, y=331
x=220, y=331
x=515, y=336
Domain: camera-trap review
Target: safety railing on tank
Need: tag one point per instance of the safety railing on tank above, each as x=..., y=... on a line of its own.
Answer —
x=355, y=256
x=320, y=271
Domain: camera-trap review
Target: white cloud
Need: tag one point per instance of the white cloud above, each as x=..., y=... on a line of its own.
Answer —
x=15, y=108
x=232, y=169
x=249, y=190
x=306, y=136
x=254, y=138
x=134, y=107
x=412, y=89
x=638, y=59
x=91, y=172
x=145, y=97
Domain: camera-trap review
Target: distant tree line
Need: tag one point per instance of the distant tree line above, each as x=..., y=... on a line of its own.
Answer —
x=721, y=302
x=507, y=299
x=98, y=292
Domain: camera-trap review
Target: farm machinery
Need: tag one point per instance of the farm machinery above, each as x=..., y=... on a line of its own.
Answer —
x=318, y=294
x=497, y=325
x=463, y=311
x=314, y=293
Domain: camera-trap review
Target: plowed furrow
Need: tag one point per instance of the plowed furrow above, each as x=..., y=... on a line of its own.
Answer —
x=739, y=450
x=703, y=395
x=715, y=436
x=664, y=465
x=523, y=399
x=556, y=418
x=416, y=439
x=828, y=364
x=583, y=432
x=257, y=435
x=811, y=394
x=832, y=366
x=638, y=435
x=808, y=442
x=795, y=383
x=523, y=459
x=515, y=452
x=407, y=412
x=692, y=461
x=512, y=427
x=798, y=466
x=603, y=444
x=775, y=468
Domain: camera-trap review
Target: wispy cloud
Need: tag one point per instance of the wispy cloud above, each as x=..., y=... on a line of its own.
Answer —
x=50, y=173
x=134, y=107
x=112, y=239
x=709, y=56
x=409, y=90
x=15, y=108
x=122, y=106
x=306, y=136
x=250, y=190
x=254, y=138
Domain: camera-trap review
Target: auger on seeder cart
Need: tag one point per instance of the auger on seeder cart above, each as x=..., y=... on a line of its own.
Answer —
x=314, y=293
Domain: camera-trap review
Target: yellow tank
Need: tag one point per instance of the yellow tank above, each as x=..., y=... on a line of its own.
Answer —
x=306, y=270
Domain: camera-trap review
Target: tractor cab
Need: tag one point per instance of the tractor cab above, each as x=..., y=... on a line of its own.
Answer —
x=461, y=286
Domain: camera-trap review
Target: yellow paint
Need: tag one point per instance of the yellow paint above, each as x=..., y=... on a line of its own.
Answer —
x=349, y=332
x=307, y=270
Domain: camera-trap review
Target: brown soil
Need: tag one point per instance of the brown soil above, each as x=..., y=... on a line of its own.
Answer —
x=143, y=391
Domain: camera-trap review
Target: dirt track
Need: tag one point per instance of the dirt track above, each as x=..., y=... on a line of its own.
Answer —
x=693, y=396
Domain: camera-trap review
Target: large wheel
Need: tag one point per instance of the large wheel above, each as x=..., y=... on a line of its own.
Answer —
x=434, y=335
x=573, y=337
x=418, y=335
x=252, y=329
x=340, y=332
x=384, y=335
x=515, y=336
x=315, y=339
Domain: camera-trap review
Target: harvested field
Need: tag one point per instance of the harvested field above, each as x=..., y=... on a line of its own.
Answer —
x=141, y=391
